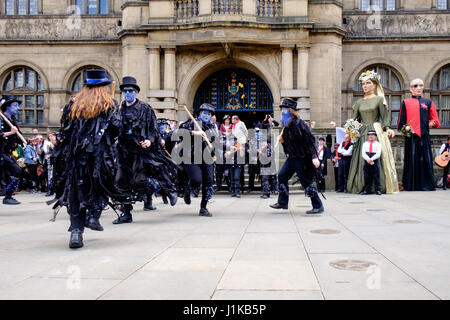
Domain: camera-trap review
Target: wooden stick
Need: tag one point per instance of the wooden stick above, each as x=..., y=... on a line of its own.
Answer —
x=11, y=125
x=196, y=124
x=278, y=141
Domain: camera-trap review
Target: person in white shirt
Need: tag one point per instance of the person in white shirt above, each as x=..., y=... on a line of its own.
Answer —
x=239, y=130
x=345, y=152
x=371, y=152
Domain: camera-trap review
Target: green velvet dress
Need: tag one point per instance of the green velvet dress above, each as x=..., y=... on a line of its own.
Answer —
x=366, y=112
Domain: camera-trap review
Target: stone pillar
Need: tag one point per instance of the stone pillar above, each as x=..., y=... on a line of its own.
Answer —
x=302, y=67
x=169, y=68
x=154, y=69
x=287, y=67
x=303, y=101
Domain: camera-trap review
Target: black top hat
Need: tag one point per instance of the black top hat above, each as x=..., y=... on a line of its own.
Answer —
x=129, y=82
x=372, y=132
x=8, y=99
x=208, y=107
x=289, y=103
x=96, y=78
x=321, y=138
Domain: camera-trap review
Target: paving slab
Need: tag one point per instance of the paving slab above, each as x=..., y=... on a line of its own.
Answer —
x=247, y=250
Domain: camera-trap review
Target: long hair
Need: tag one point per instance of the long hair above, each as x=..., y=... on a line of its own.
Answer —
x=90, y=102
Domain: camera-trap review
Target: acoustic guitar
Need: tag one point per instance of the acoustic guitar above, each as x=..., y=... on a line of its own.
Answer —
x=442, y=159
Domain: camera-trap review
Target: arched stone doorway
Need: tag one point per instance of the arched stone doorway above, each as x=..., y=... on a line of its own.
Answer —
x=236, y=91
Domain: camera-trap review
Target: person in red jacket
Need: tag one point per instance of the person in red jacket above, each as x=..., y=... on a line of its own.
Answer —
x=419, y=113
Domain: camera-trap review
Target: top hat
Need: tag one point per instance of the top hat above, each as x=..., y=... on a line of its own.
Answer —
x=372, y=132
x=96, y=78
x=6, y=101
x=289, y=103
x=129, y=82
x=207, y=107
x=321, y=138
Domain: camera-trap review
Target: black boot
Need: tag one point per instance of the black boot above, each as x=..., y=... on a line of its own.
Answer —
x=10, y=200
x=173, y=197
x=187, y=197
x=315, y=210
x=164, y=198
x=93, y=223
x=124, y=218
x=279, y=206
x=205, y=213
x=148, y=205
x=76, y=239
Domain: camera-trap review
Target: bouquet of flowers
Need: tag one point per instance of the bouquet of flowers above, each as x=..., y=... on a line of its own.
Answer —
x=406, y=130
x=352, y=127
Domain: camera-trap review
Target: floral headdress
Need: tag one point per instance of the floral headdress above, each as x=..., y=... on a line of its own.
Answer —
x=372, y=75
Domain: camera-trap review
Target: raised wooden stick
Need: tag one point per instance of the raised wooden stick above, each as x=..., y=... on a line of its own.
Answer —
x=278, y=141
x=196, y=125
x=11, y=125
x=113, y=88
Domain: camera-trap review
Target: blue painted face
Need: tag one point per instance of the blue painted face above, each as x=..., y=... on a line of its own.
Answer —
x=13, y=109
x=285, y=116
x=205, y=116
x=129, y=94
x=162, y=128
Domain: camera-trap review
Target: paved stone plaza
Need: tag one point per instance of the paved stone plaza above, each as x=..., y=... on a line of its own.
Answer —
x=363, y=247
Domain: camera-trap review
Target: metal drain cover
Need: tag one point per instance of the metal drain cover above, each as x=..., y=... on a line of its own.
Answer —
x=352, y=265
x=325, y=231
x=406, y=221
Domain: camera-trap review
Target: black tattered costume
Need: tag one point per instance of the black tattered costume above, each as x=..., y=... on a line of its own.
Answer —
x=10, y=172
x=85, y=165
x=299, y=147
x=199, y=173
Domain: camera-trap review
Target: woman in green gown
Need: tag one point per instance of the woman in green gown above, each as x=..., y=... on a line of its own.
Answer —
x=371, y=111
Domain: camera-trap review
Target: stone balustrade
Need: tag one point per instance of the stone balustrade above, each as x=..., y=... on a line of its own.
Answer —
x=186, y=8
x=268, y=8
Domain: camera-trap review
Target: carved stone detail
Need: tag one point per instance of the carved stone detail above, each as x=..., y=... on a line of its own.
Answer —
x=397, y=25
x=58, y=29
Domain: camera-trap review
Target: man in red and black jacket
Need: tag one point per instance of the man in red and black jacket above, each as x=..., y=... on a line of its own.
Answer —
x=420, y=113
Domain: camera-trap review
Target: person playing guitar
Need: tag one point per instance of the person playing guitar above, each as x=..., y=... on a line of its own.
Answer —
x=443, y=161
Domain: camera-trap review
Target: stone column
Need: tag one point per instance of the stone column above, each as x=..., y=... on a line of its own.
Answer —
x=169, y=68
x=154, y=68
x=302, y=67
x=287, y=67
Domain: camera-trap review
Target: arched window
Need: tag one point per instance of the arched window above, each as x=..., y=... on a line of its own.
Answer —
x=391, y=86
x=440, y=94
x=26, y=85
x=78, y=79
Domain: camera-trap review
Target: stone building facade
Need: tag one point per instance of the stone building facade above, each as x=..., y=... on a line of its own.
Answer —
x=309, y=50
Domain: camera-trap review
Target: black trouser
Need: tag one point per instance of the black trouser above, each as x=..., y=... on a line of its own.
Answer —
x=220, y=168
x=321, y=182
x=33, y=177
x=12, y=171
x=253, y=170
x=336, y=178
x=78, y=216
x=344, y=168
x=305, y=175
x=266, y=182
x=130, y=177
x=201, y=175
x=235, y=173
x=444, y=176
x=371, y=175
